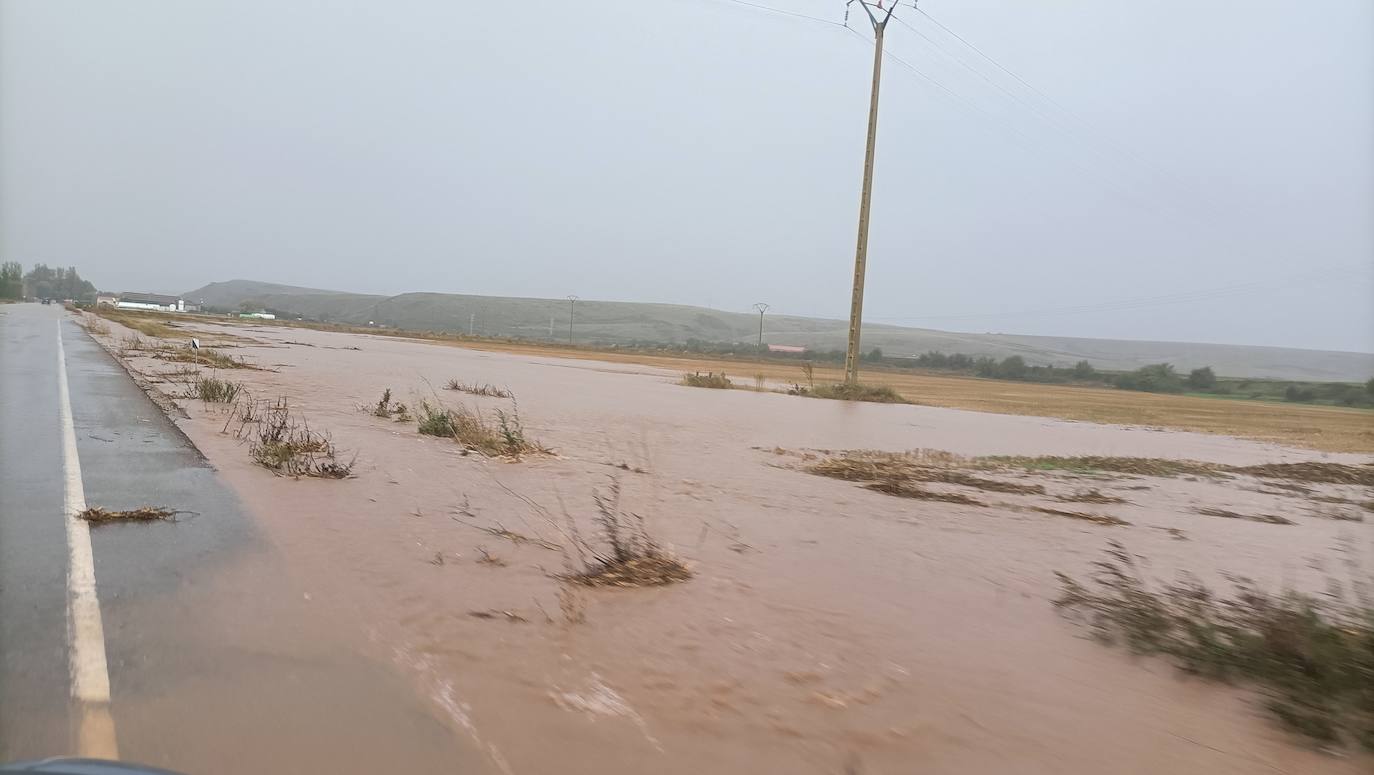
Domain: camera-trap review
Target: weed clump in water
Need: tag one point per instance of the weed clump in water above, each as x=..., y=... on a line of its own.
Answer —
x=288, y=448
x=1313, y=657
x=631, y=557
x=387, y=409
x=708, y=380
x=899, y=473
x=488, y=390
x=505, y=438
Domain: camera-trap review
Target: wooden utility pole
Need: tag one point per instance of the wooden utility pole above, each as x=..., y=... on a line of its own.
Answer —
x=762, y=308
x=572, y=300
x=856, y=303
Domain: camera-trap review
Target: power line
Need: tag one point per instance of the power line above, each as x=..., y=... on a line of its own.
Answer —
x=1103, y=136
x=1325, y=274
x=1086, y=174
x=780, y=11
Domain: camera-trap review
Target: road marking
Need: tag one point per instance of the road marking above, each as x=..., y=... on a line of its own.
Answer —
x=90, y=672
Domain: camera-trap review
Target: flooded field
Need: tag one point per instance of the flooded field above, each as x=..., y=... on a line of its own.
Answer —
x=827, y=626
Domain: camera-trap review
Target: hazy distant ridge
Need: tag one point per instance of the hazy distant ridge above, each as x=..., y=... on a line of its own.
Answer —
x=625, y=322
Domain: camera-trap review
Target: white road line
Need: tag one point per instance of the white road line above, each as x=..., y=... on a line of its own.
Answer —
x=90, y=672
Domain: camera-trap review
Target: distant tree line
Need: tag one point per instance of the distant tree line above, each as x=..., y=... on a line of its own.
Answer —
x=1153, y=378
x=43, y=282
x=11, y=280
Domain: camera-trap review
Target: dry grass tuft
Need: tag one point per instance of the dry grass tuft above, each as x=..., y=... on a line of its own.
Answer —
x=1316, y=472
x=388, y=409
x=632, y=558
x=98, y=516
x=1087, y=464
x=707, y=380
x=844, y=391
x=1312, y=656
x=94, y=325
x=1098, y=519
x=205, y=356
x=148, y=324
x=489, y=390
x=503, y=438
x=904, y=489
x=287, y=447
x=896, y=473
x=214, y=390
x=1268, y=519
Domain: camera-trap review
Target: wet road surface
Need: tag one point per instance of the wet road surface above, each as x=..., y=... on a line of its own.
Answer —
x=216, y=660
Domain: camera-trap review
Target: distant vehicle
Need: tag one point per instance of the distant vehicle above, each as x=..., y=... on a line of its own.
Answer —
x=47, y=301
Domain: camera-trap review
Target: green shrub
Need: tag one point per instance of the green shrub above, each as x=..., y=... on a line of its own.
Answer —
x=1202, y=379
x=1155, y=378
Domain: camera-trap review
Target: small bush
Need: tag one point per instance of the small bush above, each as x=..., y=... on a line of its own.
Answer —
x=1156, y=378
x=707, y=380
x=436, y=421
x=1313, y=657
x=1298, y=395
x=1202, y=379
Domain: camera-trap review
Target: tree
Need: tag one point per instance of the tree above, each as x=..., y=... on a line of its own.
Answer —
x=1202, y=379
x=1295, y=393
x=11, y=280
x=875, y=355
x=49, y=283
x=1012, y=367
x=1084, y=370
x=1369, y=387
x=1155, y=378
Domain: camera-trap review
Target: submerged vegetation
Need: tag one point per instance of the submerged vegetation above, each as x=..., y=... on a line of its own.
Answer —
x=501, y=436
x=287, y=446
x=488, y=390
x=214, y=390
x=628, y=557
x=845, y=391
x=1312, y=657
x=708, y=380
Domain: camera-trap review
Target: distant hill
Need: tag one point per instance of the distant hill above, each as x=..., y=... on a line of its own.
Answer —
x=613, y=322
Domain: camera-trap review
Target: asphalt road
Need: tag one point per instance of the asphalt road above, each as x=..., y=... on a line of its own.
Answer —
x=216, y=661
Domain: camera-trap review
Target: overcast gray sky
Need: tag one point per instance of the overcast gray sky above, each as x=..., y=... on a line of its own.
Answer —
x=1200, y=171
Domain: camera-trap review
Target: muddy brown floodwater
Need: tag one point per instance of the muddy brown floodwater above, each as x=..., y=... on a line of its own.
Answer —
x=827, y=628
